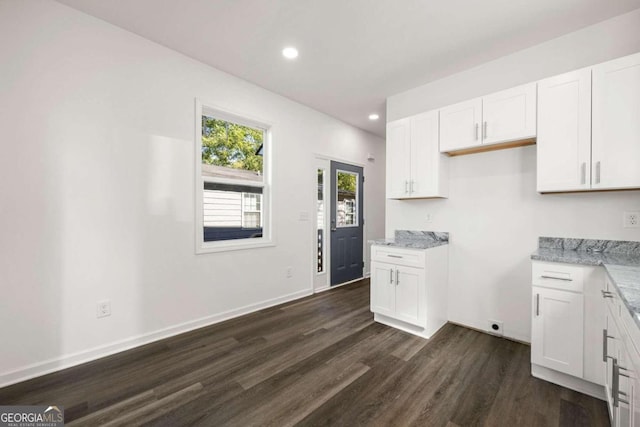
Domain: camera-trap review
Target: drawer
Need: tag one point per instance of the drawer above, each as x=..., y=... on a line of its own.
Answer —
x=399, y=256
x=566, y=277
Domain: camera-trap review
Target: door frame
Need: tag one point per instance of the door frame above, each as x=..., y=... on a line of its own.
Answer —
x=322, y=281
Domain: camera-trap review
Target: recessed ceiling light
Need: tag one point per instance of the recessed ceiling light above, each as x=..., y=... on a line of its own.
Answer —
x=373, y=116
x=290, y=52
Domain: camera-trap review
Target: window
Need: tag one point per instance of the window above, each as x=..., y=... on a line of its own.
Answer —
x=232, y=164
x=347, y=215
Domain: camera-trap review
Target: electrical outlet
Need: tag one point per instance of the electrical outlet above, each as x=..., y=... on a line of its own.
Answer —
x=631, y=219
x=103, y=309
x=495, y=327
x=289, y=272
x=428, y=218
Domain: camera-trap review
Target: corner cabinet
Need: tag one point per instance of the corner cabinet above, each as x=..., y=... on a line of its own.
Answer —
x=499, y=118
x=589, y=128
x=415, y=167
x=409, y=288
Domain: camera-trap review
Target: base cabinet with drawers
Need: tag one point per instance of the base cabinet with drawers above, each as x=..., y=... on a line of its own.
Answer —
x=584, y=338
x=566, y=319
x=620, y=354
x=409, y=288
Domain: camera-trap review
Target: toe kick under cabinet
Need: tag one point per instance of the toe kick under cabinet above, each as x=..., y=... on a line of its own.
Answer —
x=409, y=288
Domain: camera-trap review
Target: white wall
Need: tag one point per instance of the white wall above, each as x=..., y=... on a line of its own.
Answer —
x=97, y=190
x=493, y=212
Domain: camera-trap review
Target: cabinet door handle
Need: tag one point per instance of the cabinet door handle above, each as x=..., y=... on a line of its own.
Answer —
x=391, y=276
x=484, y=130
x=397, y=277
x=605, y=344
x=566, y=279
x=583, y=173
x=606, y=294
x=477, y=126
x=598, y=172
x=537, y=304
x=412, y=184
x=406, y=187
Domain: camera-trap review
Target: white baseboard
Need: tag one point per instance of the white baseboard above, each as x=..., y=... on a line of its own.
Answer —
x=66, y=361
x=568, y=381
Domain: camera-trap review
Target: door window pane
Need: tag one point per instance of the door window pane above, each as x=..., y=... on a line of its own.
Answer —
x=346, y=206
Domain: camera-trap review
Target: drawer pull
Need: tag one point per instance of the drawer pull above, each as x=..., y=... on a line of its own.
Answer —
x=566, y=279
x=607, y=294
x=394, y=256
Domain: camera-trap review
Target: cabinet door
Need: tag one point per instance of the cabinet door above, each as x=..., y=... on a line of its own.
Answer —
x=398, y=159
x=616, y=124
x=557, y=330
x=624, y=412
x=460, y=125
x=425, y=156
x=383, y=288
x=564, y=132
x=611, y=352
x=410, y=295
x=509, y=115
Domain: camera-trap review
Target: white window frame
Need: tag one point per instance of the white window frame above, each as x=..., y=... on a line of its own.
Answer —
x=202, y=247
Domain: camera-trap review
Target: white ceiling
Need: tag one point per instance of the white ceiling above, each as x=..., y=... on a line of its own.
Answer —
x=353, y=53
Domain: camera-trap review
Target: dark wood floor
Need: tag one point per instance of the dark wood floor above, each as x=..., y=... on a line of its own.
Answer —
x=317, y=361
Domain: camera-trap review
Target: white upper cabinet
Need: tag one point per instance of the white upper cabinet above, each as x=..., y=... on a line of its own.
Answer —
x=460, y=125
x=398, y=159
x=616, y=124
x=589, y=128
x=509, y=115
x=564, y=132
x=506, y=116
x=415, y=167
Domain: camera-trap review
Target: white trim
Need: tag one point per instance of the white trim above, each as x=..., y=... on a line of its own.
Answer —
x=84, y=356
x=319, y=156
x=244, y=183
x=202, y=247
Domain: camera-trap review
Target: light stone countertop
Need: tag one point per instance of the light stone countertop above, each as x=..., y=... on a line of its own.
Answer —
x=412, y=239
x=621, y=261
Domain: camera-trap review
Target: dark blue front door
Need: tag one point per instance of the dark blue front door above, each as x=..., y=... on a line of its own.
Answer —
x=346, y=223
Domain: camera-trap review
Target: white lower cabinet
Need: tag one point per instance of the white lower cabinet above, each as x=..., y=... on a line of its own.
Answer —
x=557, y=329
x=566, y=331
x=409, y=288
x=622, y=361
x=584, y=338
x=397, y=292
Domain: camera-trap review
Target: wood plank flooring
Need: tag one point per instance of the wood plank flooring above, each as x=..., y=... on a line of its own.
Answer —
x=316, y=361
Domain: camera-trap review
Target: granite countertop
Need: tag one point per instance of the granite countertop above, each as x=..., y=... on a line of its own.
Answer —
x=621, y=261
x=412, y=239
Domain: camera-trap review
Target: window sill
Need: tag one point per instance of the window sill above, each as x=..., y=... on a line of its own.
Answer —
x=226, y=246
